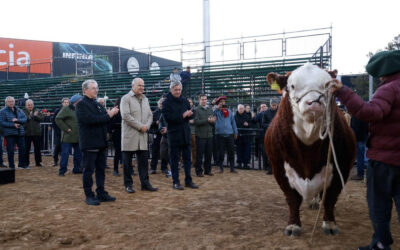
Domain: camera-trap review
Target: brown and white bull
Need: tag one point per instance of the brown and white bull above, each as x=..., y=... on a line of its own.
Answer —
x=297, y=154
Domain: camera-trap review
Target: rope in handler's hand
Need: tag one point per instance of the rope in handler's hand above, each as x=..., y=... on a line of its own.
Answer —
x=327, y=129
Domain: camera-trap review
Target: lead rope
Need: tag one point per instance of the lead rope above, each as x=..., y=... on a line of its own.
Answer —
x=327, y=129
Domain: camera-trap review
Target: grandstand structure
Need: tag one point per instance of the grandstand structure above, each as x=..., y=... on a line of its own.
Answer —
x=241, y=76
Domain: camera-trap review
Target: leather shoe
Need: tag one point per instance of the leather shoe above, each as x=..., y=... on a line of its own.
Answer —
x=153, y=172
x=105, y=197
x=233, y=171
x=199, y=175
x=92, y=201
x=192, y=185
x=177, y=187
x=149, y=188
x=129, y=189
x=3, y=166
x=209, y=174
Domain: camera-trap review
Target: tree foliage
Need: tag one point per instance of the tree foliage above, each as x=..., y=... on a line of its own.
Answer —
x=392, y=45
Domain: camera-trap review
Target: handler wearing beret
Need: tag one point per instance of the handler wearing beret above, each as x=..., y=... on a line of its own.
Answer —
x=383, y=114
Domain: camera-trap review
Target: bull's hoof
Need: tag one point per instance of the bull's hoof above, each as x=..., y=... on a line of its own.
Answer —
x=330, y=228
x=293, y=230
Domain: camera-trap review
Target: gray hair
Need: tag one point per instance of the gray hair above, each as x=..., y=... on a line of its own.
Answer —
x=85, y=84
x=100, y=99
x=65, y=98
x=240, y=106
x=9, y=98
x=136, y=80
x=29, y=100
x=173, y=84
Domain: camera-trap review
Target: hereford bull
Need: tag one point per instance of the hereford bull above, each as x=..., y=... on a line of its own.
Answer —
x=297, y=154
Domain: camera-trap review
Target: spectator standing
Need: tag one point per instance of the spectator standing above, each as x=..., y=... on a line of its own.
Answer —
x=360, y=129
x=12, y=120
x=93, y=120
x=382, y=113
x=164, y=149
x=67, y=122
x=259, y=142
x=175, y=77
x=57, y=131
x=32, y=132
x=155, y=149
x=136, y=121
x=204, y=122
x=116, y=123
x=192, y=132
x=177, y=113
x=226, y=133
x=266, y=121
x=186, y=76
x=243, y=120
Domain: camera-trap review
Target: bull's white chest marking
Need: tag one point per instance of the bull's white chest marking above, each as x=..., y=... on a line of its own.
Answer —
x=307, y=188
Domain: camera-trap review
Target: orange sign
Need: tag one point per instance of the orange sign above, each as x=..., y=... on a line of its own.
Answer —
x=25, y=56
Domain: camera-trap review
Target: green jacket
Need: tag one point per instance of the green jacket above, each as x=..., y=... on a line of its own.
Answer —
x=203, y=128
x=65, y=120
x=32, y=125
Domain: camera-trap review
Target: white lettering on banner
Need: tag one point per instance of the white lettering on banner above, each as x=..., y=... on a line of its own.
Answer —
x=21, y=61
x=71, y=55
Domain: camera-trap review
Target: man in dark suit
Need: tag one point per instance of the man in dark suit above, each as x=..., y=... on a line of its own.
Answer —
x=93, y=120
x=177, y=113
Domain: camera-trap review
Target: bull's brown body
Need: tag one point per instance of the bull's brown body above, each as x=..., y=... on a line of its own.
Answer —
x=282, y=145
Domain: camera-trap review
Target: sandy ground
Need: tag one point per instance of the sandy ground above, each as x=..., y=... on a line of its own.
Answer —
x=229, y=211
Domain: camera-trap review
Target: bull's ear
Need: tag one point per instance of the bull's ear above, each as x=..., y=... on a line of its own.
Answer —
x=276, y=80
x=333, y=73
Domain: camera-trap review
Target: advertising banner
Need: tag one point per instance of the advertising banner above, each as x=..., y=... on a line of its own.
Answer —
x=25, y=56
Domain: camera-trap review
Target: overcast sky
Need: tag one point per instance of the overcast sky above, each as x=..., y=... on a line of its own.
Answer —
x=358, y=26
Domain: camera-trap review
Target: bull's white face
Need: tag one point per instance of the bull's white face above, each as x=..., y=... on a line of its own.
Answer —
x=306, y=87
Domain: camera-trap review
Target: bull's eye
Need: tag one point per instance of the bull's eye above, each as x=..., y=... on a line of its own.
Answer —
x=292, y=86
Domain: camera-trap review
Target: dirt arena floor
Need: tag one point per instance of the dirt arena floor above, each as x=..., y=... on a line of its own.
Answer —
x=229, y=211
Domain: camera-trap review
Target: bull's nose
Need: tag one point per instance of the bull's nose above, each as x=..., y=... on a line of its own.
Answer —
x=312, y=102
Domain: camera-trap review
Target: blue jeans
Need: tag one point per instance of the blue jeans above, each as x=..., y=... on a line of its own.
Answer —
x=383, y=186
x=65, y=149
x=174, y=156
x=11, y=140
x=360, y=158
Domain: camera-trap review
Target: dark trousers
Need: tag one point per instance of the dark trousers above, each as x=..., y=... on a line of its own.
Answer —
x=65, y=149
x=143, y=167
x=383, y=186
x=11, y=140
x=204, y=147
x=36, y=148
x=243, y=152
x=94, y=162
x=57, y=151
x=215, y=151
x=174, y=156
x=164, y=153
x=228, y=143
x=116, y=138
x=155, y=151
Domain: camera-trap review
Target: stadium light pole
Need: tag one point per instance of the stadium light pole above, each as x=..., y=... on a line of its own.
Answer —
x=206, y=31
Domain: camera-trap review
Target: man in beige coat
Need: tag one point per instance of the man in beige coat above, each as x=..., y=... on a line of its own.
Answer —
x=136, y=121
